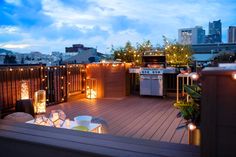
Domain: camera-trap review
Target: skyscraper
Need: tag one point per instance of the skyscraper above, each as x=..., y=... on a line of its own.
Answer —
x=188, y=36
x=232, y=34
x=215, y=32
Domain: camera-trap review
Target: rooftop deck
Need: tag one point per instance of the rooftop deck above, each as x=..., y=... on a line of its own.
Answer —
x=138, y=117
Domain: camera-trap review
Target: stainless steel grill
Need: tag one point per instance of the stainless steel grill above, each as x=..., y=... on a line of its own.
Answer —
x=151, y=81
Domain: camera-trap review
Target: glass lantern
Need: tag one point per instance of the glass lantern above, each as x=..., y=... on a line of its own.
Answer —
x=91, y=88
x=57, y=117
x=40, y=102
x=24, y=89
x=42, y=120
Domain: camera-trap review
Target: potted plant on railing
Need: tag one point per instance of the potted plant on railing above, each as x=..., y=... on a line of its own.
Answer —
x=190, y=111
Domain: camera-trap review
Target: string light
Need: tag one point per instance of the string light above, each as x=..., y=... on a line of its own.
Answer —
x=21, y=69
x=31, y=69
x=10, y=69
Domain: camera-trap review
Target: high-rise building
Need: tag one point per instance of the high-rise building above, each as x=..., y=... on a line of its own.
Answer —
x=215, y=32
x=188, y=36
x=232, y=34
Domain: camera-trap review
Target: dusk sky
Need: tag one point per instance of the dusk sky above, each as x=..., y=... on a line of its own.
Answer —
x=52, y=25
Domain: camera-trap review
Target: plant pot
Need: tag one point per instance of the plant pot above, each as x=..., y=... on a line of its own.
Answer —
x=194, y=136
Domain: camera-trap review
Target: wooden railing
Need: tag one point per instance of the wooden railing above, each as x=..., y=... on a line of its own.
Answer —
x=58, y=81
x=21, y=139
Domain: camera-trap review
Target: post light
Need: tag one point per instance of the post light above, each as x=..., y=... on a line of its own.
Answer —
x=191, y=126
x=193, y=134
x=194, y=76
x=91, y=88
x=24, y=86
x=40, y=102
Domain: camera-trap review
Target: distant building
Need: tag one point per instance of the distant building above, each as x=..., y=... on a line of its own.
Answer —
x=232, y=34
x=215, y=32
x=78, y=48
x=214, y=48
x=188, y=36
x=81, y=54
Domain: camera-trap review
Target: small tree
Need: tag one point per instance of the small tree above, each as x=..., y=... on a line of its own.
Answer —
x=224, y=57
x=129, y=53
x=125, y=54
x=177, y=54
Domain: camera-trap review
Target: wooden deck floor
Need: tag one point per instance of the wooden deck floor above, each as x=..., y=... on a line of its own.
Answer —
x=138, y=117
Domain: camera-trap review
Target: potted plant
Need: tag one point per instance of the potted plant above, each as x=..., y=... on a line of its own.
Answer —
x=190, y=111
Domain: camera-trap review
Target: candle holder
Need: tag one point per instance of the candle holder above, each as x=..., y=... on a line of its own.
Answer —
x=42, y=120
x=91, y=88
x=57, y=117
x=40, y=102
x=24, y=89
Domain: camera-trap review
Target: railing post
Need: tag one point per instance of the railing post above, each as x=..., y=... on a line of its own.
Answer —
x=66, y=82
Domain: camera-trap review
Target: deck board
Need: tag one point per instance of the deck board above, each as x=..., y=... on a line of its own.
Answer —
x=149, y=118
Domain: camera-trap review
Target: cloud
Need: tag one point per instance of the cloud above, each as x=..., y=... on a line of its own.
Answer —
x=49, y=25
x=14, y=2
x=15, y=46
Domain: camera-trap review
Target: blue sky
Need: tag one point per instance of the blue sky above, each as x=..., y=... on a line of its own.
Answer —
x=51, y=25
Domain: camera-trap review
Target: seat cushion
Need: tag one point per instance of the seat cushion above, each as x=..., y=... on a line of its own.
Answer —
x=19, y=117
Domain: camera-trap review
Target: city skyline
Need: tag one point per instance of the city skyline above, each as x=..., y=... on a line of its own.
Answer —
x=52, y=25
